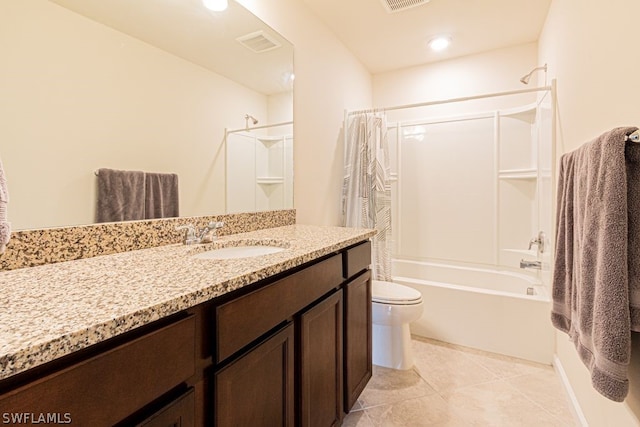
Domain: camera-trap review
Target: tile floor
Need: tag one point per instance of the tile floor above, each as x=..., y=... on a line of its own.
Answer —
x=461, y=387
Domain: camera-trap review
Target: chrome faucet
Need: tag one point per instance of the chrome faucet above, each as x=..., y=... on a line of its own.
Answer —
x=536, y=265
x=539, y=241
x=208, y=234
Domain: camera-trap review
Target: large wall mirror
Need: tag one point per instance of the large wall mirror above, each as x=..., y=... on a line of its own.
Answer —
x=145, y=85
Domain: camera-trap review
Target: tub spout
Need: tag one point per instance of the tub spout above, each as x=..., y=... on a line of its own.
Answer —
x=536, y=265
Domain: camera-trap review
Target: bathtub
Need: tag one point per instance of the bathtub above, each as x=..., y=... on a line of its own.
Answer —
x=485, y=309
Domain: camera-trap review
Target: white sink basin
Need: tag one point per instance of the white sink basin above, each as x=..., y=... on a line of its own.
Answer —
x=245, y=251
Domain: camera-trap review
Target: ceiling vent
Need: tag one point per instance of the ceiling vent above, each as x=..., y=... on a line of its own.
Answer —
x=393, y=6
x=259, y=42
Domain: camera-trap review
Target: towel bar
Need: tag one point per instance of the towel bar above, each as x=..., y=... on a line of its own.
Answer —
x=634, y=136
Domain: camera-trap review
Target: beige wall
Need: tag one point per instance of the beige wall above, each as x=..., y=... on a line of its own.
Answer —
x=494, y=71
x=590, y=48
x=78, y=96
x=328, y=80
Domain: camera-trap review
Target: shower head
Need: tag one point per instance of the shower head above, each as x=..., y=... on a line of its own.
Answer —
x=253, y=120
x=525, y=79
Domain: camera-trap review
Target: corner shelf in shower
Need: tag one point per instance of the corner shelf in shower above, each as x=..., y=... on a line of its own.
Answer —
x=270, y=140
x=518, y=174
x=269, y=180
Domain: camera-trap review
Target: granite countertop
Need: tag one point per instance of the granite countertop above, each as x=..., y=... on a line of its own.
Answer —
x=52, y=310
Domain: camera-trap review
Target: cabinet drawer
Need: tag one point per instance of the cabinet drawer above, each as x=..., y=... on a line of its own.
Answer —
x=242, y=320
x=108, y=387
x=357, y=259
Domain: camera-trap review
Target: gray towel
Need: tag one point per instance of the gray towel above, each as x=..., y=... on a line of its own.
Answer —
x=5, y=227
x=121, y=195
x=593, y=282
x=161, y=200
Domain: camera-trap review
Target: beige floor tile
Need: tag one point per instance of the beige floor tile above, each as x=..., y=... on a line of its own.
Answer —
x=357, y=406
x=545, y=389
x=446, y=368
x=499, y=404
x=390, y=385
x=455, y=386
x=506, y=367
x=357, y=419
x=500, y=365
x=424, y=411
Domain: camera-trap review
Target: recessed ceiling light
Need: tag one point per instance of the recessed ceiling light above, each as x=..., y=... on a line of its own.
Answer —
x=439, y=43
x=215, y=5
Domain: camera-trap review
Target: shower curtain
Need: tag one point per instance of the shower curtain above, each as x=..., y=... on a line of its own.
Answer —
x=366, y=192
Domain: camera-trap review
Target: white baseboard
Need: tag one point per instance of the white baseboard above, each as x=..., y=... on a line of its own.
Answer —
x=575, y=405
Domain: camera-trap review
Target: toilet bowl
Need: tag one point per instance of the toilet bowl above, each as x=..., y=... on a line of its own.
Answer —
x=394, y=308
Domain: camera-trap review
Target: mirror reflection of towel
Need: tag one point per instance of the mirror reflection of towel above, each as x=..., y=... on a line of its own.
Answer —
x=121, y=195
x=135, y=195
x=161, y=198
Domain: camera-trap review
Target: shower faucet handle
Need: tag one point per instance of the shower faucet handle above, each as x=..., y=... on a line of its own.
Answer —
x=539, y=241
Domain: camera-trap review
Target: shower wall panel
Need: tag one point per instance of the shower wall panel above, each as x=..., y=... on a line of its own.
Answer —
x=446, y=200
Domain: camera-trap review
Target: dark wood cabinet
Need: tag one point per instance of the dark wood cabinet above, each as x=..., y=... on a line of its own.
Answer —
x=243, y=319
x=179, y=413
x=321, y=379
x=111, y=385
x=257, y=389
x=357, y=338
x=293, y=349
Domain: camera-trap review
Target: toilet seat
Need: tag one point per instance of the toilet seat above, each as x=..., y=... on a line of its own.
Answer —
x=394, y=293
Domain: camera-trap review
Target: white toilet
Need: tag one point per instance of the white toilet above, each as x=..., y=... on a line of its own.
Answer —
x=395, y=306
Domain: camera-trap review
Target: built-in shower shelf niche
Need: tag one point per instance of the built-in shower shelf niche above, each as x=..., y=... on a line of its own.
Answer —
x=525, y=113
x=269, y=180
x=270, y=140
x=260, y=171
x=519, y=178
x=531, y=253
x=518, y=174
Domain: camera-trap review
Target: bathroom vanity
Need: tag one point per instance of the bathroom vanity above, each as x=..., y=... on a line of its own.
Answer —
x=280, y=339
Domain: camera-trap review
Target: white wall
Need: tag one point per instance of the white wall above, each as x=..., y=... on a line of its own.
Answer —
x=77, y=96
x=328, y=80
x=590, y=48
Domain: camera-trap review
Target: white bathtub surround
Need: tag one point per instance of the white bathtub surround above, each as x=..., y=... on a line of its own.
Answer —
x=481, y=308
x=366, y=192
x=394, y=308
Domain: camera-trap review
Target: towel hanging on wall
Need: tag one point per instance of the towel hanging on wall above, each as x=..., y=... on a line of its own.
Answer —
x=596, y=274
x=5, y=227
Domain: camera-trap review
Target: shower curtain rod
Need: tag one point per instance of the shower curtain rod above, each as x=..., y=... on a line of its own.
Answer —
x=450, y=100
x=259, y=127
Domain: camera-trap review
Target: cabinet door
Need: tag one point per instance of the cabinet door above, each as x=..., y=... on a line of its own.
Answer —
x=257, y=388
x=179, y=413
x=321, y=363
x=357, y=338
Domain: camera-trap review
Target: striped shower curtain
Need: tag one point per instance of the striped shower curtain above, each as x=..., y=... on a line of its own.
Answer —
x=366, y=192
